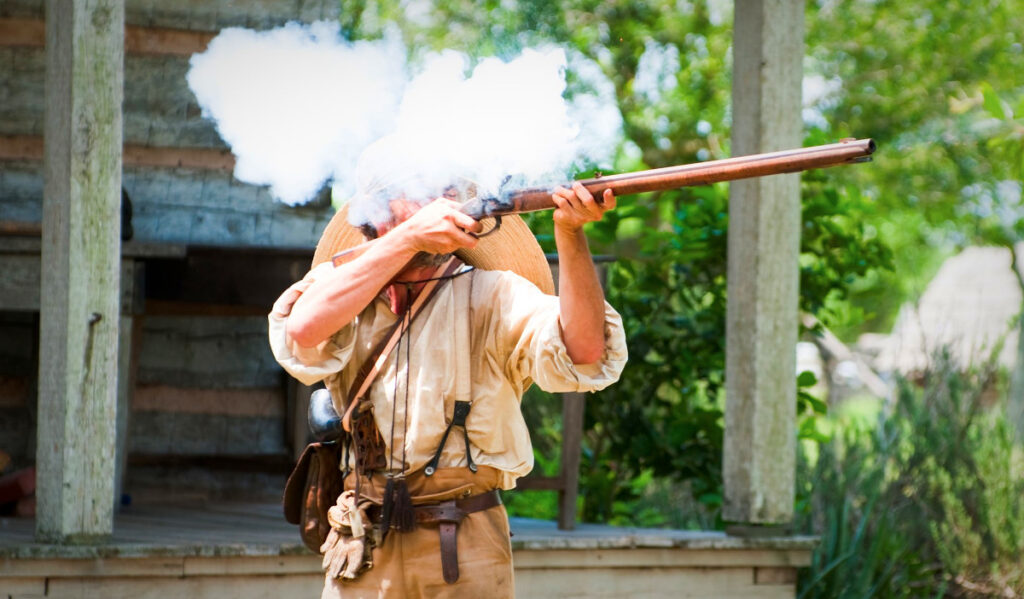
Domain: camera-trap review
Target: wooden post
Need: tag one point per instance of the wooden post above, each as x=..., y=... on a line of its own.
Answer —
x=764, y=243
x=573, y=405
x=80, y=285
x=130, y=341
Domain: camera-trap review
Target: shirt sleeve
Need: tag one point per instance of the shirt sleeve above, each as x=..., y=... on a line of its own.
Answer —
x=307, y=364
x=529, y=329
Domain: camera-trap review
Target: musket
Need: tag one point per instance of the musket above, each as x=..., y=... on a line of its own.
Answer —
x=847, y=151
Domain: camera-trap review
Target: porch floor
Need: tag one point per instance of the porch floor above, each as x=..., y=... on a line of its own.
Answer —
x=215, y=550
x=238, y=529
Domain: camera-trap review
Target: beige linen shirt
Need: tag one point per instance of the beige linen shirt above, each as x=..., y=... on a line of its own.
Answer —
x=514, y=339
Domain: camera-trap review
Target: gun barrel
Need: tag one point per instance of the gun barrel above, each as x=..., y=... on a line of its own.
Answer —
x=701, y=173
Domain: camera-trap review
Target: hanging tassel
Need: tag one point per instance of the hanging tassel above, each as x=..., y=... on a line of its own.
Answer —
x=403, y=519
x=397, y=511
x=386, y=508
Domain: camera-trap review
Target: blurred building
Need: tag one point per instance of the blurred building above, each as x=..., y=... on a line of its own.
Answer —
x=968, y=310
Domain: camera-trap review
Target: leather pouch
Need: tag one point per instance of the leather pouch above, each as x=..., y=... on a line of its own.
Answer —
x=312, y=489
x=371, y=453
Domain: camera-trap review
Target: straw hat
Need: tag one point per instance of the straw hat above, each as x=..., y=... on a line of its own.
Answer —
x=512, y=247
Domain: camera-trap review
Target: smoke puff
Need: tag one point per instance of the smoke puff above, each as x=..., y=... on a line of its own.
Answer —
x=299, y=105
x=505, y=118
x=296, y=102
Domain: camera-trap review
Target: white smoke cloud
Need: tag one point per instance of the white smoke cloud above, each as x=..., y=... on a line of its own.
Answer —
x=299, y=105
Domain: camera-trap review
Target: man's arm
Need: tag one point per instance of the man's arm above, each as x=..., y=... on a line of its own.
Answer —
x=581, y=299
x=333, y=301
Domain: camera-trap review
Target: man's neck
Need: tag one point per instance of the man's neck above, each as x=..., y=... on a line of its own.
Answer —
x=402, y=294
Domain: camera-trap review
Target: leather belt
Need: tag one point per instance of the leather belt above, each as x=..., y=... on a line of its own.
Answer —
x=447, y=515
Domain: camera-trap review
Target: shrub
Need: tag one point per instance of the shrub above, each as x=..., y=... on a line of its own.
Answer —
x=926, y=503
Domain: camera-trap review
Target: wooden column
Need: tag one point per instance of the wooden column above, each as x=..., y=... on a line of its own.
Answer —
x=764, y=243
x=130, y=341
x=573, y=407
x=80, y=284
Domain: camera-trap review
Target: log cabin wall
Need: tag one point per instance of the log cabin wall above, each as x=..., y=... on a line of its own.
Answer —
x=209, y=409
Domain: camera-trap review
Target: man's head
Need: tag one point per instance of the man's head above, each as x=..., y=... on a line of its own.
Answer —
x=390, y=188
x=401, y=208
x=393, y=180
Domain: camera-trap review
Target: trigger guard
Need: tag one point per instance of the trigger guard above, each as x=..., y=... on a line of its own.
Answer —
x=497, y=225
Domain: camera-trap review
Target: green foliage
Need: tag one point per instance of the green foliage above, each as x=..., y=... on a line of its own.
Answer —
x=839, y=251
x=938, y=85
x=665, y=414
x=923, y=504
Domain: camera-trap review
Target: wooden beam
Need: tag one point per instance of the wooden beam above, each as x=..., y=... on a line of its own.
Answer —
x=31, y=33
x=197, y=158
x=30, y=147
x=167, y=42
x=763, y=277
x=80, y=287
x=130, y=345
x=22, y=33
x=250, y=401
x=572, y=446
x=20, y=229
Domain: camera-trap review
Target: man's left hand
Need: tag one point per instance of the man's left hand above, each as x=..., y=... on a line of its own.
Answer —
x=577, y=206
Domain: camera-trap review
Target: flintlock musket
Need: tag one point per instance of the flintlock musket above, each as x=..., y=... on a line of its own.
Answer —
x=847, y=151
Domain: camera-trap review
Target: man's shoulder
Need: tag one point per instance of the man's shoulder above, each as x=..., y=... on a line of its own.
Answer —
x=503, y=290
x=501, y=278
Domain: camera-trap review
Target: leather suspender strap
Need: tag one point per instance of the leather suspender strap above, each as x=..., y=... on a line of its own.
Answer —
x=458, y=419
x=373, y=365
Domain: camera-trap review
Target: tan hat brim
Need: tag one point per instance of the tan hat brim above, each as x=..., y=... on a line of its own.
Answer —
x=512, y=247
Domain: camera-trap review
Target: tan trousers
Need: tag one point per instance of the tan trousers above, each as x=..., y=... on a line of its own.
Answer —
x=409, y=564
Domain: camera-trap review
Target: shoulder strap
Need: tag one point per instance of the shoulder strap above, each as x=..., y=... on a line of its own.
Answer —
x=463, y=321
x=373, y=364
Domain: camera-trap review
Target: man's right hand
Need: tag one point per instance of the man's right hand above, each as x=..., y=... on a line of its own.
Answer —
x=333, y=300
x=440, y=227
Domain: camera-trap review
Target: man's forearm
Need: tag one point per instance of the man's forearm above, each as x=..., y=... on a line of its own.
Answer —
x=581, y=298
x=333, y=301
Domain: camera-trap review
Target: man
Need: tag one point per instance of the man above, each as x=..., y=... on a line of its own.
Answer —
x=462, y=362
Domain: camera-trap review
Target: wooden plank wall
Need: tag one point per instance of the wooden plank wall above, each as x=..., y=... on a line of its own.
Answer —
x=206, y=385
x=177, y=169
